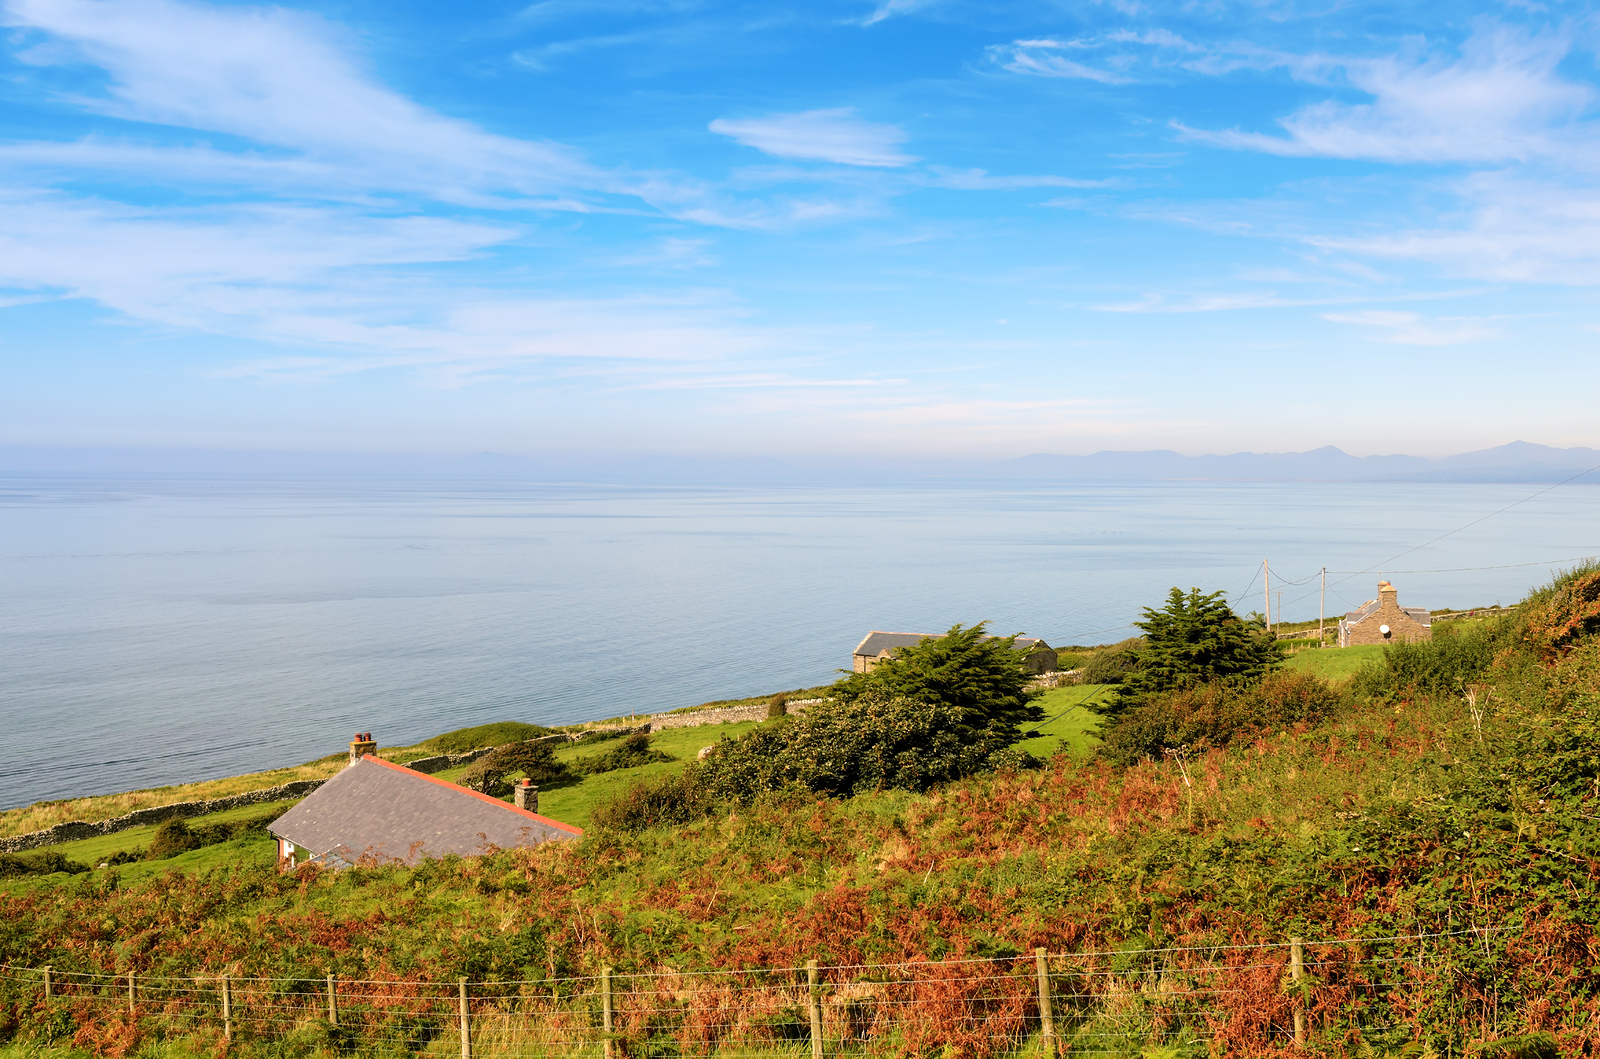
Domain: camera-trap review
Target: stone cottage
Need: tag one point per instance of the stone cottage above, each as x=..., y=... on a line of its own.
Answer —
x=1384, y=620
x=375, y=811
x=876, y=646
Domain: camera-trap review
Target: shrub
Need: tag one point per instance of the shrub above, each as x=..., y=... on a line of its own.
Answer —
x=38, y=862
x=871, y=743
x=778, y=706
x=978, y=676
x=1113, y=665
x=492, y=773
x=1216, y=714
x=496, y=733
x=172, y=838
x=1430, y=667
x=634, y=751
x=665, y=800
x=1554, y=618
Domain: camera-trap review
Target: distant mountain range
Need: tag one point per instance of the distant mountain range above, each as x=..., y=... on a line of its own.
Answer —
x=1519, y=461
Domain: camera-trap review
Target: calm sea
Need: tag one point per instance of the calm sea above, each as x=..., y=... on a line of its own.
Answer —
x=154, y=631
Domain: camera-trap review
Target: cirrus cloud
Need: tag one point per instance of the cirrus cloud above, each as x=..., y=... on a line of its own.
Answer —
x=835, y=135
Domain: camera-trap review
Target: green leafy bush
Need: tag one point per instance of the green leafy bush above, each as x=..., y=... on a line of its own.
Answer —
x=492, y=774
x=1216, y=714
x=177, y=836
x=665, y=800
x=496, y=733
x=38, y=862
x=1431, y=667
x=1113, y=665
x=978, y=676
x=874, y=742
x=778, y=706
x=172, y=838
x=632, y=752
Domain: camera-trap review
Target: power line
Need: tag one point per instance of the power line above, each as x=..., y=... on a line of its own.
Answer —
x=1469, y=525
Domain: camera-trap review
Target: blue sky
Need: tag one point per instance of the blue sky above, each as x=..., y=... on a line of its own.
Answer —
x=906, y=228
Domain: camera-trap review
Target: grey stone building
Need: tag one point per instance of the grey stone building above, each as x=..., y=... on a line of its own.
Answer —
x=876, y=646
x=378, y=812
x=1384, y=620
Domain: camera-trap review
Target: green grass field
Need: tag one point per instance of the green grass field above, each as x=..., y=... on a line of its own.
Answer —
x=1333, y=663
x=94, y=850
x=1068, y=723
x=573, y=804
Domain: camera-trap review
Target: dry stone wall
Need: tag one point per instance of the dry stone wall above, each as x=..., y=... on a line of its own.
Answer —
x=155, y=814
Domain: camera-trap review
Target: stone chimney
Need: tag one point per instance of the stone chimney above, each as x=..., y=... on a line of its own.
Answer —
x=527, y=795
x=1386, y=594
x=362, y=745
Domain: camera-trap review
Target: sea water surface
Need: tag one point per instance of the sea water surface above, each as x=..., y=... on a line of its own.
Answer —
x=156, y=631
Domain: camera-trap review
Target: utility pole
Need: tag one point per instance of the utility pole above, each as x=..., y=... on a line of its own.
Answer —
x=1266, y=590
x=1322, y=606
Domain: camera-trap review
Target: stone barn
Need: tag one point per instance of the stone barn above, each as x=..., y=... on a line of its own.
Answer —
x=1384, y=620
x=876, y=646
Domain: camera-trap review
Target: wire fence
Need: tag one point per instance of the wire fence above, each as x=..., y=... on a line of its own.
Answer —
x=1254, y=998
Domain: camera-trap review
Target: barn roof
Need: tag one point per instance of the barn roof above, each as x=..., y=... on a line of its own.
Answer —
x=389, y=812
x=875, y=643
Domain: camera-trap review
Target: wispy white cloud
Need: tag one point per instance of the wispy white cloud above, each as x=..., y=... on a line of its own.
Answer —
x=1412, y=329
x=334, y=281
x=672, y=252
x=1509, y=229
x=891, y=8
x=982, y=180
x=1044, y=58
x=835, y=135
x=1501, y=99
x=282, y=78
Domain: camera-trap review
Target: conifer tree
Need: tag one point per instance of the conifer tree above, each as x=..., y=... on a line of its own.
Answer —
x=1193, y=640
x=978, y=675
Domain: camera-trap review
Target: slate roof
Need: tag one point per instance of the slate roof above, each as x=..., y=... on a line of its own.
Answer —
x=875, y=643
x=390, y=812
x=1418, y=614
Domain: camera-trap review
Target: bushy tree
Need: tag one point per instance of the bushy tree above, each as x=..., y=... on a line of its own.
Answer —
x=873, y=742
x=1195, y=639
x=493, y=774
x=976, y=676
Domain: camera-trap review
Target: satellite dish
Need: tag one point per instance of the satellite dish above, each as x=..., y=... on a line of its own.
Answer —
x=1384, y=629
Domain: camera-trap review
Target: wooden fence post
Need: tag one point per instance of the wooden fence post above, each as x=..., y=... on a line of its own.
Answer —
x=816, y=1009
x=605, y=1010
x=130, y=994
x=227, y=1009
x=1297, y=971
x=333, y=1006
x=466, y=1026
x=1047, y=1018
x=47, y=993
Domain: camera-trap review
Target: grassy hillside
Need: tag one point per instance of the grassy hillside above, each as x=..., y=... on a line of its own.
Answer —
x=1440, y=854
